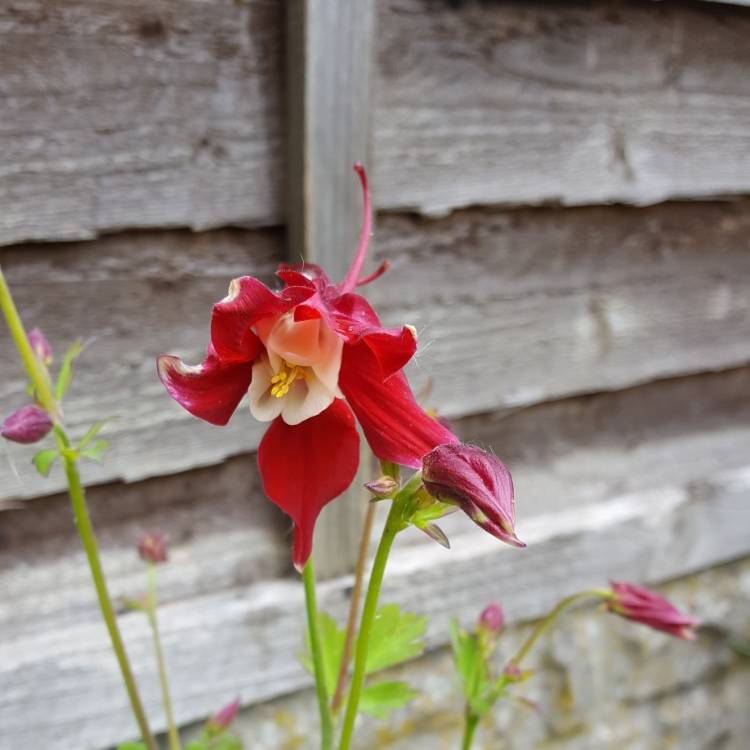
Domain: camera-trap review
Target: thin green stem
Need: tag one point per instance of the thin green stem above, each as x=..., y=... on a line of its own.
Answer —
x=173, y=734
x=316, y=647
x=471, y=722
x=88, y=540
x=43, y=392
x=541, y=627
x=392, y=526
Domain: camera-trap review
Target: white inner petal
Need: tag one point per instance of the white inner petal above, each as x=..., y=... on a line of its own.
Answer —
x=263, y=406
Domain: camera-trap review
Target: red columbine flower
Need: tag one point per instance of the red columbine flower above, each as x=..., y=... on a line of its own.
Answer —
x=647, y=607
x=478, y=482
x=308, y=356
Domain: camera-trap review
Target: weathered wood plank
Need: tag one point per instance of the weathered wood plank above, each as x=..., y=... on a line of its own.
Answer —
x=244, y=640
x=329, y=68
x=513, y=308
x=139, y=114
x=168, y=113
x=635, y=102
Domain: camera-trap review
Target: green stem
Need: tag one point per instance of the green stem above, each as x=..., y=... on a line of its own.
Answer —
x=174, y=736
x=393, y=525
x=541, y=627
x=88, y=540
x=77, y=499
x=471, y=722
x=316, y=647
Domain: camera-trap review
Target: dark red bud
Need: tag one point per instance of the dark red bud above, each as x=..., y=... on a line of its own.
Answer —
x=642, y=605
x=27, y=425
x=152, y=547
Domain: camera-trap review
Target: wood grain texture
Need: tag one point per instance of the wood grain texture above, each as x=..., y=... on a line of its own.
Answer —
x=513, y=308
x=243, y=641
x=634, y=102
x=330, y=47
x=169, y=113
x=139, y=114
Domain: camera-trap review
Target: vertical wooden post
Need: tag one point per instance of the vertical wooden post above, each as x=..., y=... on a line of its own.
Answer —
x=330, y=49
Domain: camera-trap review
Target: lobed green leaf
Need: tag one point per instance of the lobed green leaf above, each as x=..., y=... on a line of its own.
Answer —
x=380, y=699
x=394, y=638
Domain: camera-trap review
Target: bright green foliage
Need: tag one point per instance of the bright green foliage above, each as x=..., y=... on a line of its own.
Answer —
x=479, y=688
x=395, y=638
x=93, y=431
x=43, y=461
x=66, y=370
x=96, y=451
x=133, y=746
x=380, y=699
x=222, y=742
x=332, y=642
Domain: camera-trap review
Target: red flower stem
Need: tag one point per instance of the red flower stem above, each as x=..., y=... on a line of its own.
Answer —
x=316, y=649
x=393, y=525
x=172, y=733
x=546, y=622
x=78, y=503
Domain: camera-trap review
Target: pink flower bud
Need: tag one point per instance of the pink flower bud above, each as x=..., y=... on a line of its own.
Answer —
x=647, y=607
x=492, y=618
x=40, y=345
x=152, y=547
x=27, y=425
x=478, y=483
x=382, y=487
x=224, y=718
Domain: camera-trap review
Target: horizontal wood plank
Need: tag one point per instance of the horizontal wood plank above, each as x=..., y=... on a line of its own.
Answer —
x=168, y=113
x=580, y=103
x=139, y=114
x=513, y=308
x=244, y=641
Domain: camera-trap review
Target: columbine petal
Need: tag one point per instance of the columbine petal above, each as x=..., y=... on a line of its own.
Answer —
x=263, y=406
x=306, y=466
x=247, y=302
x=395, y=426
x=209, y=391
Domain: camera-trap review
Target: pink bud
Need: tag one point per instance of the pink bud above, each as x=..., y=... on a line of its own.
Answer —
x=224, y=718
x=40, y=345
x=27, y=425
x=152, y=547
x=492, y=618
x=478, y=482
x=647, y=607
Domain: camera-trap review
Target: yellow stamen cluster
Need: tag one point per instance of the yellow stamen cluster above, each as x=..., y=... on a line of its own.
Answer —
x=282, y=381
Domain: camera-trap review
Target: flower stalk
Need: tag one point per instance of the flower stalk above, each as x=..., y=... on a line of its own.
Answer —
x=151, y=604
x=394, y=523
x=316, y=649
x=43, y=392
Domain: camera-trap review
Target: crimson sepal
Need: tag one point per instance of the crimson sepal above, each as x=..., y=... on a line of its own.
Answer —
x=209, y=391
x=307, y=465
x=396, y=427
x=248, y=301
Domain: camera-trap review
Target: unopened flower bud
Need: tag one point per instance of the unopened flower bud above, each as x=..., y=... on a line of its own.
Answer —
x=478, y=482
x=382, y=487
x=647, y=607
x=27, y=425
x=223, y=719
x=152, y=547
x=492, y=619
x=41, y=346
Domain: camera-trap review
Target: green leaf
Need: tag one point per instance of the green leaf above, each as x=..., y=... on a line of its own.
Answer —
x=96, y=451
x=66, y=370
x=195, y=746
x=380, y=699
x=226, y=743
x=394, y=638
x=332, y=643
x=93, y=431
x=134, y=746
x=480, y=691
x=43, y=461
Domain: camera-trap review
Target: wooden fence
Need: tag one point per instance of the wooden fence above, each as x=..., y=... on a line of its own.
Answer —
x=560, y=193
